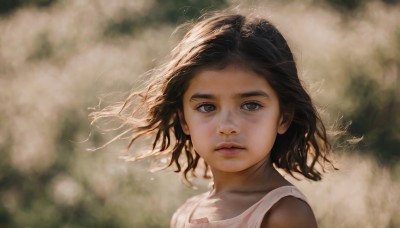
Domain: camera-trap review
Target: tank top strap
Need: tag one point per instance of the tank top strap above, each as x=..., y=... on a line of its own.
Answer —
x=256, y=215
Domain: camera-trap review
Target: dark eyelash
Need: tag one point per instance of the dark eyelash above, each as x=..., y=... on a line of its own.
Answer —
x=253, y=102
x=201, y=105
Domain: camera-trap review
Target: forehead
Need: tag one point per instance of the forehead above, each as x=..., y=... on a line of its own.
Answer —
x=229, y=80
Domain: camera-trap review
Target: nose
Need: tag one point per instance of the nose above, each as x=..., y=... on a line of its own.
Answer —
x=228, y=124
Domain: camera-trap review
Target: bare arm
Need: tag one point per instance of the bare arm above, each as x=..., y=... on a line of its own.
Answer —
x=290, y=212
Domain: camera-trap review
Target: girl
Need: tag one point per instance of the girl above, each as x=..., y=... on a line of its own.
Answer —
x=231, y=96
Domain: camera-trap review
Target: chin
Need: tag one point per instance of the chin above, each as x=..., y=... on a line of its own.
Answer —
x=231, y=168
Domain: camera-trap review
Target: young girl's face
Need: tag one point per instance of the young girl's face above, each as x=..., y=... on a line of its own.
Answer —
x=232, y=116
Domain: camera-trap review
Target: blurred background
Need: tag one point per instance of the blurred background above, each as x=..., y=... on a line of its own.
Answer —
x=59, y=58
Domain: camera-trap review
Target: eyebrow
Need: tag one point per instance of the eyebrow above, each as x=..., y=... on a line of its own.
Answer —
x=257, y=93
x=201, y=96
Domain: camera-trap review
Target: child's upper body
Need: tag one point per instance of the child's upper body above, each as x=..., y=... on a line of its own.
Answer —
x=233, y=117
x=231, y=96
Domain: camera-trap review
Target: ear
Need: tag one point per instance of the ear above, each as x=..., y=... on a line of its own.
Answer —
x=183, y=123
x=285, y=119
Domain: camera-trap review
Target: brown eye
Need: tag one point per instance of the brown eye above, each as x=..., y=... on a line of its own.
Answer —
x=251, y=106
x=205, y=108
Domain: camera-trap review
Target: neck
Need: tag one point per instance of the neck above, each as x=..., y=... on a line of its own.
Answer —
x=260, y=177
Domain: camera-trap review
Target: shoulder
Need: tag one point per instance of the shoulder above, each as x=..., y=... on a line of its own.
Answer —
x=191, y=202
x=194, y=199
x=290, y=212
x=181, y=214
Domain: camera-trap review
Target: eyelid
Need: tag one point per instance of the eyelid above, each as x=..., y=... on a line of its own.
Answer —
x=202, y=104
x=253, y=101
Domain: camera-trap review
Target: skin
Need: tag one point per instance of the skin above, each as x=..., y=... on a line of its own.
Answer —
x=233, y=117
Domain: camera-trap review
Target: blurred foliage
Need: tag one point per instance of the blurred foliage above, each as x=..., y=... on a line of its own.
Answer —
x=375, y=113
x=346, y=4
x=43, y=48
x=162, y=13
x=375, y=117
x=349, y=6
x=8, y=6
x=171, y=11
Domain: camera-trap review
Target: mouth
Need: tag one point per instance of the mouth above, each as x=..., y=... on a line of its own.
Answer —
x=229, y=148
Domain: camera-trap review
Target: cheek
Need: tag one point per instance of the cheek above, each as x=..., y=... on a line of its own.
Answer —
x=261, y=142
x=262, y=132
x=201, y=135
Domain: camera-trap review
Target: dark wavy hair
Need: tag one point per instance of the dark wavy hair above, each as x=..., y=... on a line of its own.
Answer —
x=216, y=42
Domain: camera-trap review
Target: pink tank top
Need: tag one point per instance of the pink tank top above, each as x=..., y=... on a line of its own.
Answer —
x=252, y=217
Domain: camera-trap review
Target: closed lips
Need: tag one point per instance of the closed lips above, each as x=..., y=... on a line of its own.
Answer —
x=229, y=146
